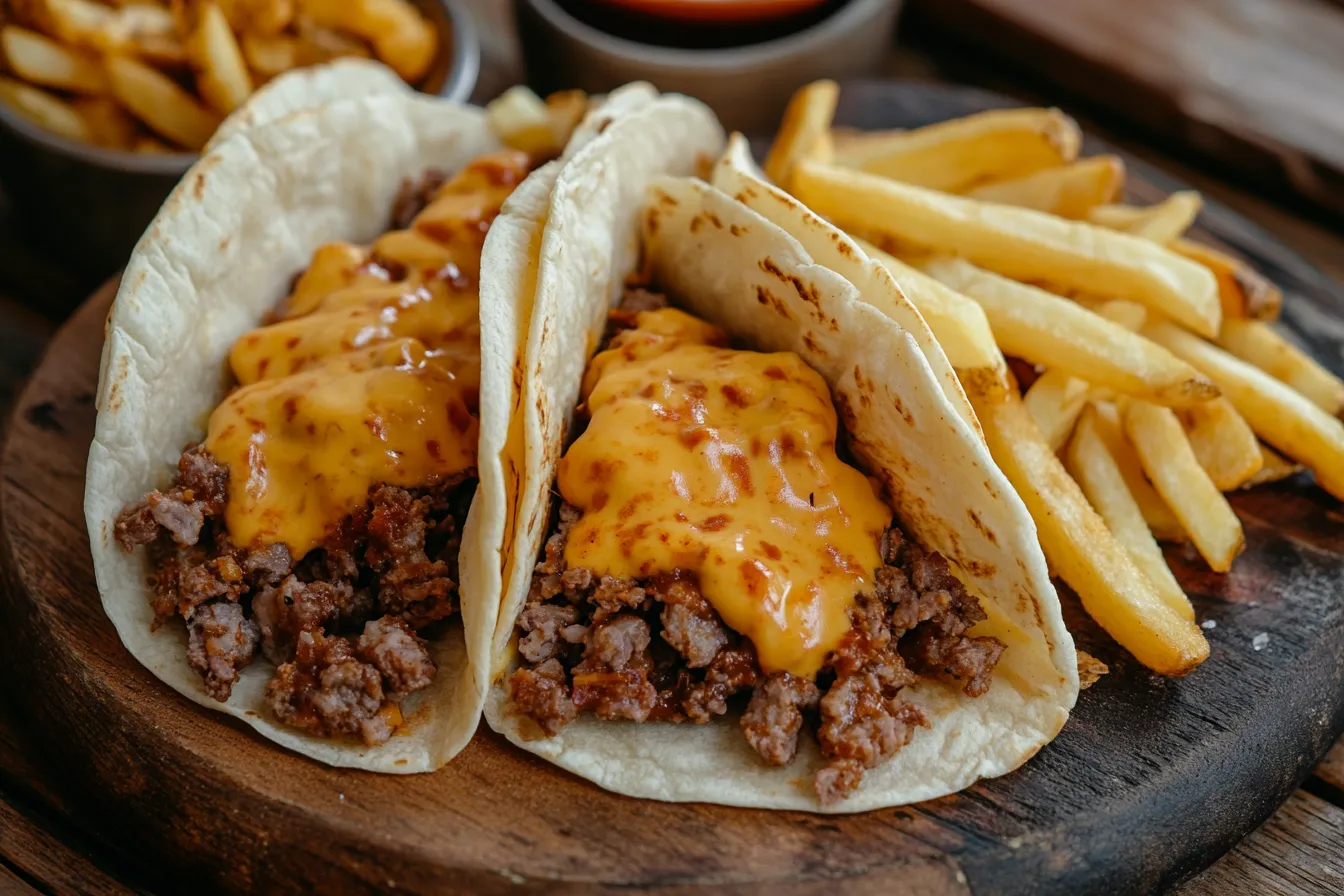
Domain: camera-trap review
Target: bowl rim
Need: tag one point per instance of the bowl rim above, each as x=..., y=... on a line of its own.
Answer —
x=838, y=24
x=458, y=84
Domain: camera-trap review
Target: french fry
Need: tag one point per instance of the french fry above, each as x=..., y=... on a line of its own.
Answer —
x=1161, y=223
x=262, y=17
x=1242, y=290
x=154, y=99
x=958, y=323
x=1090, y=463
x=43, y=109
x=806, y=120
x=401, y=36
x=1175, y=472
x=1161, y=521
x=1273, y=468
x=221, y=73
x=1045, y=329
x=109, y=124
x=1079, y=546
x=1020, y=243
x=964, y=153
x=1290, y=422
x=1260, y=344
x=1223, y=442
x=1054, y=401
x=319, y=43
x=270, y=55
x=566, y=109
x=42, y=61
x=1069, y=191
x=1130, y=315
x=137, y=28
x=521, y=119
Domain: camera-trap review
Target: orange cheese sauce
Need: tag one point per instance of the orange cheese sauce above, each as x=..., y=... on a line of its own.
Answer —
x=722, y=463
x=369, y=375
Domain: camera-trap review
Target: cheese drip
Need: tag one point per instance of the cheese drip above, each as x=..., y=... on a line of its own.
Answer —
x=369, y=375
x=720, y=463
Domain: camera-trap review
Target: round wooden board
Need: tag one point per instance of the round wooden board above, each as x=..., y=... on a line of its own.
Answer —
x=1149, y=782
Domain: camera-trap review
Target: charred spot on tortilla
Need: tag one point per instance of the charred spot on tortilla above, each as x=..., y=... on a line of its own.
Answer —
x=319, y=522
x=743, y=565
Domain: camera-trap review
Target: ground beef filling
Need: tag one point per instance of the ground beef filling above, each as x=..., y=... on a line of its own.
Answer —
x=341, y=624
x=655, y=650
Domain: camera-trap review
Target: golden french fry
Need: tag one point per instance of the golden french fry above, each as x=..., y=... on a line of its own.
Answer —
x=1161, y=521
x=109, y=124
x=43, y=109
x=401, y=36
x=1260, y=344
x=270, y=55
x=1242, y=290
x=566, y=109
x=1161, y=223
x=1054, y=401
x=152, y=145
x=1069, y=191
x=1290, y=422
x=157, y=101
x=806, y=120
x=1079, y=546
x=1274, y=467
x=1130, y=315
x=1090, y=463
x=40, y=60
x=221, y=74
x=1042, y=328
x=958, y=323
x=261, y=17
x=1020, y=243
x=964, y=153
x=522, y=120
x=1175, y=472
x=137, y=28
x=1223, y=442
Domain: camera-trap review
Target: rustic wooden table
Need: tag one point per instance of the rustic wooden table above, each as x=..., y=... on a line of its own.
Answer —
x=45, y=847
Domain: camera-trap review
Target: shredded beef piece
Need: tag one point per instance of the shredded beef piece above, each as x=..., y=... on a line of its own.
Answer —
x=221, y=640
x=412, y=586
x=690, y=624
x=734, y=669
x=549, y=629
x=612, y=595
x=862, y=722
x=392, y=648
x=542, y=694
x=200, y=493
x=285, y=612
x=938, y=643
x=188, y=578
x=396, y=528
x=327, y=690
x=268, y=565
x=612, y=680
x=775, y=716
x=413, y=196
x=419, y=593
x=837, y=780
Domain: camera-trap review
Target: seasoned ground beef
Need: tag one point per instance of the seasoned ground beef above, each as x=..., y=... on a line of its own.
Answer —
x=339, y=623
x=655, y=650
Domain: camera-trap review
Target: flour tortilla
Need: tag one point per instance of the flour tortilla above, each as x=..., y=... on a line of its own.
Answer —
x=307, y=88
x=220, y=254
x=731, y=266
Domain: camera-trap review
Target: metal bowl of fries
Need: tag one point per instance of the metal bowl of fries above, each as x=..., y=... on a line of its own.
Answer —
x=104, y=106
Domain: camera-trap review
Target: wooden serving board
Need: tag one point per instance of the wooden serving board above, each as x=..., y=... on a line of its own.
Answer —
x=1150, y=781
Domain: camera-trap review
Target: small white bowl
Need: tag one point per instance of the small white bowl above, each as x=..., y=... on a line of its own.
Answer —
x=748, y=86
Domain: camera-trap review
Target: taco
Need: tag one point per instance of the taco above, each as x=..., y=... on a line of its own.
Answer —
x=282, y=489
x=781, y=568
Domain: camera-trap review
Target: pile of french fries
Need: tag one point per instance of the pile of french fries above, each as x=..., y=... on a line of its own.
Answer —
x=1160, y=382
x=159, y=75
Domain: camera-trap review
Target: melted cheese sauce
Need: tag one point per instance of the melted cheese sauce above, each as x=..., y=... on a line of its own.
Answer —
x=722, y=464
x=369, y=375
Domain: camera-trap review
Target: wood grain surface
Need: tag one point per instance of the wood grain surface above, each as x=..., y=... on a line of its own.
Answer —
x=1255, y=85
x=1149, y=782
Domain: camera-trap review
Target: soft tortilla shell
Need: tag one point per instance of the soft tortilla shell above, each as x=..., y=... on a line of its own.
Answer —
x=222, y=251
x=731, y=266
